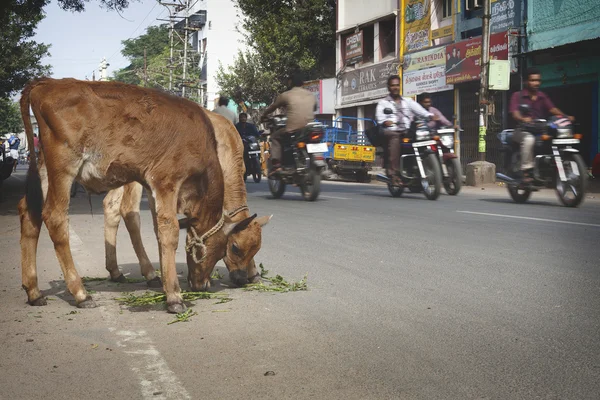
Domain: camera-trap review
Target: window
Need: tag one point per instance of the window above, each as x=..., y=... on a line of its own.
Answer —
x=387, y=38
x=369, y=46
x=446, y=8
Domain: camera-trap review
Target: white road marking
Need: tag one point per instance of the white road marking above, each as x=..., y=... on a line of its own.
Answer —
x=156, y=379
x=556, y=221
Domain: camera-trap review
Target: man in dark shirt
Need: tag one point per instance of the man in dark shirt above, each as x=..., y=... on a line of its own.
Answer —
x=245, y=128
x=540, y=107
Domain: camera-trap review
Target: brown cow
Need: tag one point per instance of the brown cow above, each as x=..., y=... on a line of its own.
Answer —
x=105, y=135
x=125, y=202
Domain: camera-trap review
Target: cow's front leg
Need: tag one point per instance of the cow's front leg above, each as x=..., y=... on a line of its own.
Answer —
x=168, y=238
x=55, y=216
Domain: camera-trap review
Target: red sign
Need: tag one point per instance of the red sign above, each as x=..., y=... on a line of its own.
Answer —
x=463, y=59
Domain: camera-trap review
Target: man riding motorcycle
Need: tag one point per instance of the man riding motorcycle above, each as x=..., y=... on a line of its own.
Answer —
x=397, y=124
x=300, y=105
x=540, y=107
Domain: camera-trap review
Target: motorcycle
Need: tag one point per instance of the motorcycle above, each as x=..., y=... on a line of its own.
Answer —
x=302, y=161
x=252, y=158
x=451, y=169
x=421, y=170
x=557, y=164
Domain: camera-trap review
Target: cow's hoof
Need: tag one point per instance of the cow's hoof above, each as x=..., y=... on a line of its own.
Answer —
x=155, y=283
x=87, y=303
x=255, y=279
x=119, y=279
x=239, y=277
x=176, y=308
x=40, y=301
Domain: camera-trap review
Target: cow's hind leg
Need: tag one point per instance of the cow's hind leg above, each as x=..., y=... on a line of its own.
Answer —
x=55, y=216
x=112, y=204
x=168, y=240
x=130, y=211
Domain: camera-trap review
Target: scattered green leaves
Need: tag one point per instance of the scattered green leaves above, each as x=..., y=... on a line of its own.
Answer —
x=183, y=317
x=276, y=284
x=93, y=279
x=216, y=275
x=153, y=298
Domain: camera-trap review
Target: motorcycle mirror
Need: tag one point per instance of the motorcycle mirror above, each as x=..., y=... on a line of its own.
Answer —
x=388, y=111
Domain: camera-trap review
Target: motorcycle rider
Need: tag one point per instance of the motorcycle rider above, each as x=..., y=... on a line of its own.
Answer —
x=245, y=128
x=540, y=107
x=425, y=101
x=397, y=124
x=300, y=105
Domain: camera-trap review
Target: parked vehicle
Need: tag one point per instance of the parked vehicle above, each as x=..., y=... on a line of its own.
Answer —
x=558, y=164
x=302, y=161
x=451, y=169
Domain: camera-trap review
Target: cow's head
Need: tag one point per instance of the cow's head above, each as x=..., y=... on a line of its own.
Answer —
x=236, y=242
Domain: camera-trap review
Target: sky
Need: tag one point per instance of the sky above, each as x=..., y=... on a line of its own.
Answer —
x=80, y=40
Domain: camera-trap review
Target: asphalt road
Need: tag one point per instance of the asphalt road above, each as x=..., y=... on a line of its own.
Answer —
x=467, y=297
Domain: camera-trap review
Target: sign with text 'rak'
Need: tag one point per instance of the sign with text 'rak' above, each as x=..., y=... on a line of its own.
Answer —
x=368, y=82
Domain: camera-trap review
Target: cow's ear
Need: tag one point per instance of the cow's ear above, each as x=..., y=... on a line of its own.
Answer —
x=262, y=221
x=233, y=227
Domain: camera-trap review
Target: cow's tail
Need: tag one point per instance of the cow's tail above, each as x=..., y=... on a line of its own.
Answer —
x=33, y=185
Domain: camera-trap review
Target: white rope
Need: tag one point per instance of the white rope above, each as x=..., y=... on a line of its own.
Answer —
x=194, y=243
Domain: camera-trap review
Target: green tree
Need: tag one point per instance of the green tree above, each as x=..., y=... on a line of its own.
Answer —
x=79, y=5
x=20, y=57
x=292, y=35
x=156, y=43
x=10, y=116
x=248, y=81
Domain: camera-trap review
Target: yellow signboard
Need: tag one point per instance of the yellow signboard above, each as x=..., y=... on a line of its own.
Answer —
x=417, y=18
x=353, y=152
x=442, y=32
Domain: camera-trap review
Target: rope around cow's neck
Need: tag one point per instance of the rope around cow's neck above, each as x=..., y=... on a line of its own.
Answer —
x=196, y=242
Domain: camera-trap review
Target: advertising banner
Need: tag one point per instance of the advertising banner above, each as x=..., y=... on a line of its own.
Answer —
x=368, y=82
x=417, y=24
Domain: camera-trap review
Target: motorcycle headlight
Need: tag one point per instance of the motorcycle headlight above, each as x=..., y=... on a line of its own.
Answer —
x=423, y=134
x=447, y=141
x=564, y=133
x=253, y=146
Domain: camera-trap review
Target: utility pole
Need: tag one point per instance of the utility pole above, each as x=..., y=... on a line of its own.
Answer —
x=185, y=46
x=483, y=90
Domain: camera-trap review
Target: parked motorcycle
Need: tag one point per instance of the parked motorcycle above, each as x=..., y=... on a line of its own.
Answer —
x=252, y=158
x=421, y=170
x=302, y=162
x=557, y=163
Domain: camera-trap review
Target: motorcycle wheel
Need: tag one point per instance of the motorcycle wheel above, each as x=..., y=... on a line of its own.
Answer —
x=276, y=186
x=395, y=191
x=454, y=181
x=312, y=185
x=572, y=192
x=256, y=172
x=519, y=195
x=432, y=184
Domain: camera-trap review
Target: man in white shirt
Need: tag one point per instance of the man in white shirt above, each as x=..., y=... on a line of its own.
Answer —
x=396, y=124
x=226, y=112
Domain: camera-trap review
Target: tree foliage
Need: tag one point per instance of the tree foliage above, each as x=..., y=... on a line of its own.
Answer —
x=156, y=43
x=20, y=57
x=10, y=116
x=286, y=36
x=79, y=5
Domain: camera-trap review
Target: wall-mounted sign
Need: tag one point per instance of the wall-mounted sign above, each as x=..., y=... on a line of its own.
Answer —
x=425, y=59
x=354, y=48
x=417, y=24
x=368, y=82
x=442, y=32
x=426, y=80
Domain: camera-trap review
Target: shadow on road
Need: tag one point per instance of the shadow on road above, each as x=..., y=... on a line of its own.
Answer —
x=530, y=202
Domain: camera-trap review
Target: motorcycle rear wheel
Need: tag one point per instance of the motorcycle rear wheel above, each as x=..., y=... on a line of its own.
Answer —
x=256, y=172
x=312, y=185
